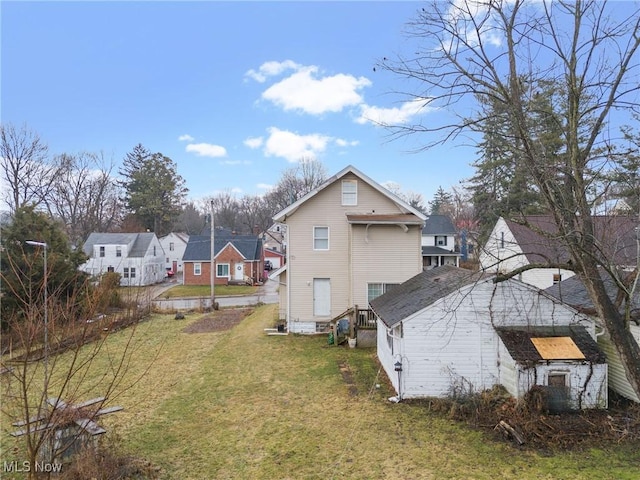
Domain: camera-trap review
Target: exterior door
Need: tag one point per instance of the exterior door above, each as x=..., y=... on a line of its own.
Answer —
x=321, y=297
x=238, y=272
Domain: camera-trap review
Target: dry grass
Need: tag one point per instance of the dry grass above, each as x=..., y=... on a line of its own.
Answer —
x=236, y=403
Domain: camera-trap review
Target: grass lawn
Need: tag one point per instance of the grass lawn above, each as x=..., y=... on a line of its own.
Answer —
x=205, y=290
x=238, y=404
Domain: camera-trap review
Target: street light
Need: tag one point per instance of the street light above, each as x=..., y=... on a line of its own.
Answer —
x=46, y=318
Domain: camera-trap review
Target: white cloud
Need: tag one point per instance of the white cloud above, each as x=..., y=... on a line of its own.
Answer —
x=254, y=142
x=304, y=91
x=186, y=138
x=294, y=147
x=264, y=186
x=346, y=143
x=235, y=162
x=270, y=69
x=207, y=150
x=393, y=116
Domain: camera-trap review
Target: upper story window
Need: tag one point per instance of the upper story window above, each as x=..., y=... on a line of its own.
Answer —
x=172, y=246
x=501, y=239
x=102, y=251
x=557, y=278
x=118, y=251
x=349, y=192
x=321, y=238
x=441, y=240
x=154, y=250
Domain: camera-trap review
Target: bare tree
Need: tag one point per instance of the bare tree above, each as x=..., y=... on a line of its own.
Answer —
x=296, y=182
x=85, y=196
x=496, y=52
x=26, y=167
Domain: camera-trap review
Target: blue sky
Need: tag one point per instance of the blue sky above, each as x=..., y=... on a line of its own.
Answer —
x=233, y=92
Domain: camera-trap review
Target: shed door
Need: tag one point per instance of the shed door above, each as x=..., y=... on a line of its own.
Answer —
x=239, y=272
x=321, y=297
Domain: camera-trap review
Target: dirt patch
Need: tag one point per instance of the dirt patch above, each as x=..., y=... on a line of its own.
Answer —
x=347, y=376
x=219, y=320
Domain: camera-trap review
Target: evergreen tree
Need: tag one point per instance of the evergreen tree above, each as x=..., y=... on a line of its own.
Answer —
x=154, y=191
x=441, y=202
x=22, y=265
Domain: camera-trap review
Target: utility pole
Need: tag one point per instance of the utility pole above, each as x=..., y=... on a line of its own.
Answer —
x=213, y=262
x=45, y=247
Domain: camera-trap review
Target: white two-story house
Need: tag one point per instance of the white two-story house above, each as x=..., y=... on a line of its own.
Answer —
x=137, y=257
x=174, y=245
x=439, y=242
x=348, y=241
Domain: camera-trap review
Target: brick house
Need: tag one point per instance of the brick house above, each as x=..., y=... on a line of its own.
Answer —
x=238, y=259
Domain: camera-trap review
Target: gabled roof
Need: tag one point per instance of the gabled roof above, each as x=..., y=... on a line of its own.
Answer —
x=404, y=206
x=438, y=225
x=139, y=242
x=615, y=234
x=573, y=292
x=518, y=342
x=199, y=247
x=421, y=291
x=182, y=236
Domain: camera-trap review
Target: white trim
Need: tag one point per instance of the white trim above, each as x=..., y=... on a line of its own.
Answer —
x=349, y=181
x=328, y=238
x=228, y=276
x=282, y=215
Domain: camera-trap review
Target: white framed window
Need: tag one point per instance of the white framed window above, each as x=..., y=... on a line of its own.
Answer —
x=321, y=238
x=118, y=251
x=102, y=251
x=501, y=239
x=172, y=247
x=376, y=289
x=441, y=240
x=133, y=272
x=197, y=269
x=154, y=250
x=125, y=273
x=349, y=192
x=222, y=270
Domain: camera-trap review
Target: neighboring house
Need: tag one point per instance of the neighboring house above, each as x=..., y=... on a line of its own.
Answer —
x=450, y=331
x=137, y=257
x=439, y=242
x=573, y=292
x=174, y=245
x=274, y=238
x=276, y=258
x=512, y=245
x=347, y=241
x=238, y=259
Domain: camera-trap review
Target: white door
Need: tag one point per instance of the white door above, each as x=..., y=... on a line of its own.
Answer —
x=239, y=272
x=321, y=297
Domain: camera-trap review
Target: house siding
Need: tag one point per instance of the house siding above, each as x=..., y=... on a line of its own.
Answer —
x=452, y=344
x=304, y=263
x=496, y=258
x=617, y=376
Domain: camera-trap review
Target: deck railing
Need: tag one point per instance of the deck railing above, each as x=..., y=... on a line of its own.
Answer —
x=366, y=319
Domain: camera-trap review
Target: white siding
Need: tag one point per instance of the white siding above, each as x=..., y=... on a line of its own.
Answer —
x=617, y=377
x=452, y=343
x=504, y=257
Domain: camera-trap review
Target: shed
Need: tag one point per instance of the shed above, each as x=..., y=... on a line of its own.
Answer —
x=438, y=336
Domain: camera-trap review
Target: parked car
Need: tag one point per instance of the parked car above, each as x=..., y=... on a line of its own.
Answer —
x=267, y=265
x=170, y=272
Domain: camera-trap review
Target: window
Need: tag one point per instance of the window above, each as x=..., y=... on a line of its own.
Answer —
x=118, y=251
x=501, y=239
x=222, y=270
x=441, y=240
x=197, y=269
x=126, y=272
x=111, y=269
x=321, y=238
x=376, y=289
x=558, y=380
x=102, y=251
x=172, y=246
x=349, y=192
x=154, y=250
x=133, y=272
x=557, y=278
